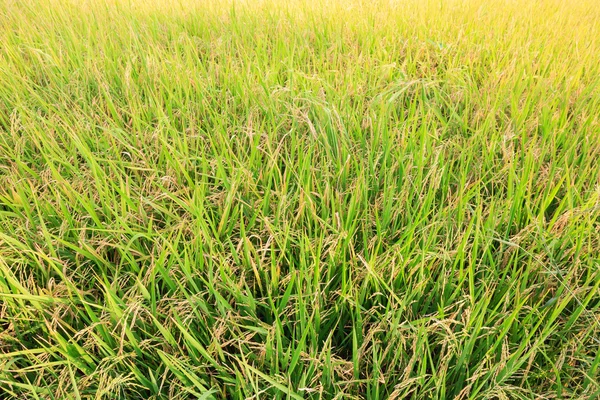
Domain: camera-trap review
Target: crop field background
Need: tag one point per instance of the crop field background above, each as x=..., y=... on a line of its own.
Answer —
x=299, y=199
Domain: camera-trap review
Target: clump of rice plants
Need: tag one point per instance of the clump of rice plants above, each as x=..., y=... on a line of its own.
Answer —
x=299, y=199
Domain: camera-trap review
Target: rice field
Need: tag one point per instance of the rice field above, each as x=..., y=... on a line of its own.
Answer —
x=387, y=199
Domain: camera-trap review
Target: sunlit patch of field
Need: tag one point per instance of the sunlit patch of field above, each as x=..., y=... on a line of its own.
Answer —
x=298, y=199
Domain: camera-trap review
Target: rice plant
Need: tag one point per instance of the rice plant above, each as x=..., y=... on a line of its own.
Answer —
x=383, y=199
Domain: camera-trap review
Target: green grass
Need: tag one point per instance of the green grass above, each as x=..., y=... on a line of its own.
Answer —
x=288, y=200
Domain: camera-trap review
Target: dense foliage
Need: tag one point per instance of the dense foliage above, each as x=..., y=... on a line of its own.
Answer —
x=377, y=199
